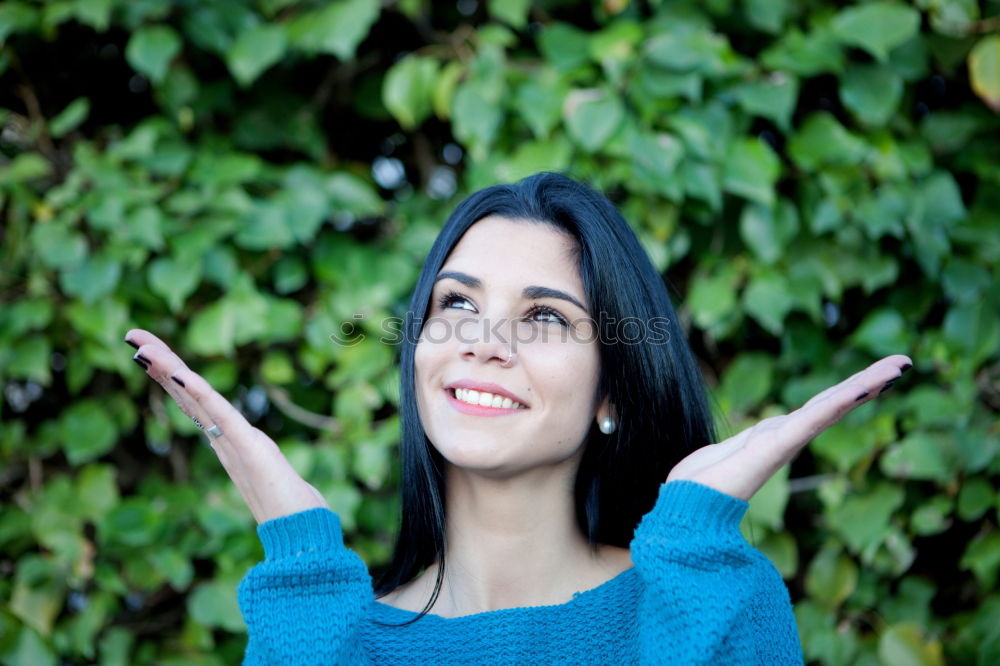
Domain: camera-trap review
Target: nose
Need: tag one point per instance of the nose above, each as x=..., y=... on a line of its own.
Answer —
x=485, y=343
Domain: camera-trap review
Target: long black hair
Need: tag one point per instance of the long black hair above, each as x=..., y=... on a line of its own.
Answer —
x=655, y=386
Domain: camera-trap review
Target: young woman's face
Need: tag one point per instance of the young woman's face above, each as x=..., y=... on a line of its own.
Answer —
x=515, y=280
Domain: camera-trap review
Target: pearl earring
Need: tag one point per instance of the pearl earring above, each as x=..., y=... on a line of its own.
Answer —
x=607, y=425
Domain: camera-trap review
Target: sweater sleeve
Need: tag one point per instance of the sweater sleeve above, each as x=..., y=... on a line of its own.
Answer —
x=304, y=603
x=710, y=597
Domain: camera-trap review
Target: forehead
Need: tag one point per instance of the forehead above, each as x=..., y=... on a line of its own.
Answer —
x=520, y=250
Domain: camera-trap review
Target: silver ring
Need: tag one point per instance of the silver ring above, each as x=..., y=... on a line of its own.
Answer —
x=215, y=431
x=197, y=422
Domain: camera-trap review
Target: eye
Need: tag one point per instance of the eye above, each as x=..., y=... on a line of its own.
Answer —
x=446, y=301
x=545, y=314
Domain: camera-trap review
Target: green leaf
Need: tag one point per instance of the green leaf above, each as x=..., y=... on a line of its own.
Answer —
x=31, y=359
x=746, y=382
x=773, y=98
x=87, y=431
x=69, y=118
x=712, y=298
x=475, y=120
x=16, y=17
x=767, y=231
x=877, y=27
x=540, y=104
x=151, y=49
x=96, y=491
x=883, y=332
x=832, y=577
x=768, y=15
x=564, y=45
x=134, y=522
x=767, y=506
x=984, y=70
x=654, y=160
x=592, y=117
x=23, y=168
x=751, y=170
x=213, y=330
x=863, y=518
x=975, y=498
x=28, y=649
x=920, y=455
x=254, y=51
x=871, y=92
x=408, y=88
x=982, y=557
x=768, y=300
x=821, y=140
x=512, y=12
x=903, y=645
x=95, y=278
x=933, y=517
x=277, y=368
x=175, y=279
x=805, y=54
x=698, y=50
x=337, y=28
x=973, y=329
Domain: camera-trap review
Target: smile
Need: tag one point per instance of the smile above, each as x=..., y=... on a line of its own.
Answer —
x=484, y=399
x=480, y=403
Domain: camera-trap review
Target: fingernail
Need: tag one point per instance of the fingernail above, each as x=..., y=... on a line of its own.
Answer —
x=140, y=357
x=177, y=380
x=132, y=343
x=861, y=397
x=888, y=385
x=906, y=366
x=142, y=364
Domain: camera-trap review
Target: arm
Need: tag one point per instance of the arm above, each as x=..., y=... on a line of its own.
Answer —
x=304, y=602
x=710, y=597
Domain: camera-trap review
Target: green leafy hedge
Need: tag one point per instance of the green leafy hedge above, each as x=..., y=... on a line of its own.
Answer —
x=818, y=180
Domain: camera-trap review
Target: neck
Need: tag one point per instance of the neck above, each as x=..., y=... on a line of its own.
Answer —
x=512, y=543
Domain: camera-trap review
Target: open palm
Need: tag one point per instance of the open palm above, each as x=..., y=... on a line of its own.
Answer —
x=740, y=465
x=270, y=486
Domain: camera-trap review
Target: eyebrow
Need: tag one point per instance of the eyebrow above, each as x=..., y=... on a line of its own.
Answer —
x=531, y=291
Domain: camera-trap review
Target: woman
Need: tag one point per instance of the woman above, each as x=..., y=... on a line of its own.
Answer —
x=547, y=394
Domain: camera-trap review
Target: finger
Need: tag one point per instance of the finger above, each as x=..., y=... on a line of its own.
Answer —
x=138, y=337
x=875, y=375
x=160, y=363
x=240, y=442
x=828, y=407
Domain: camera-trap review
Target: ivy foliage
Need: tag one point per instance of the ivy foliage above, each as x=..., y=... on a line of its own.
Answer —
x=257, y=182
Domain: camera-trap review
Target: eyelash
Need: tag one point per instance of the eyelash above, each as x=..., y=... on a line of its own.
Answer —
x=445, y=300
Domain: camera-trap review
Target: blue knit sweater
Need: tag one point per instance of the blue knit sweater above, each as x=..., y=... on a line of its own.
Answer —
x=698, y=594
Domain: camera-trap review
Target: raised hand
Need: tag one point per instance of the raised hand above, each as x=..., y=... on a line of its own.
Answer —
x=269, y=485
x=740, y=465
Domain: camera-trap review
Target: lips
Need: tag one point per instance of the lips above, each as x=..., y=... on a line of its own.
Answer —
x=488, y=387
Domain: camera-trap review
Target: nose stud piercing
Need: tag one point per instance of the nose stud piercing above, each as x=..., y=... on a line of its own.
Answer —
x=607, y=425
x=510, y=358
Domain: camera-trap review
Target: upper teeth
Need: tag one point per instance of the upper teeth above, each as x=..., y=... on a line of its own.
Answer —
x=485, y=399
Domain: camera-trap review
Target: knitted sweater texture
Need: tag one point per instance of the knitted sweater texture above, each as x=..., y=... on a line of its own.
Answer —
x=698, y=594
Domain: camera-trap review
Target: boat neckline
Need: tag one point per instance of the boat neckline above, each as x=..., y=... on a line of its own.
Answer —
x=578, y=597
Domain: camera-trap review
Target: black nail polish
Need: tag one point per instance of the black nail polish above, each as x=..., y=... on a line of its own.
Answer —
x=177, y=380
x=142, y=364
x=142, y=358
x=888, y=385
x=861, y=397
x=132, y=343
x=906, y=366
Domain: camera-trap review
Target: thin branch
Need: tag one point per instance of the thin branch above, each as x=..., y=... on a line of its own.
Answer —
x=285, y=405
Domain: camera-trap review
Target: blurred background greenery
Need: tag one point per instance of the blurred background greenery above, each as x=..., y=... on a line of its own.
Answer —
x=818, y=180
